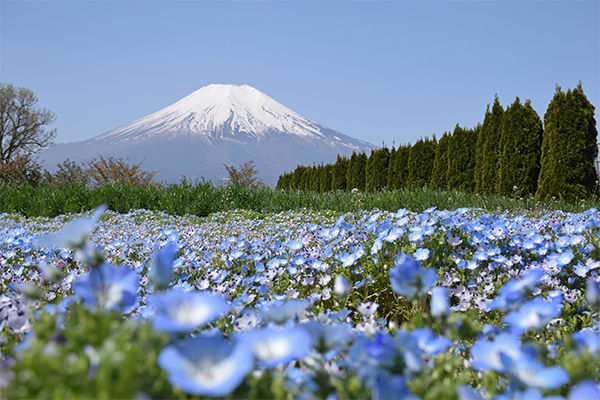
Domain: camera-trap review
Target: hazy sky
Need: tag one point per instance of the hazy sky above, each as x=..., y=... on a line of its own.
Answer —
x=378, y=71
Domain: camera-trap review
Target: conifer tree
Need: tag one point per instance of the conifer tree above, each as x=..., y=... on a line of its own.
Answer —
x=420, y=162
x=325, y=179
x=461, y=159
x=439, y=171
x=520, y=150
x=400, y=179
x=296, y=179
x=315, y=178
x=391, y=173
x=338, y=176
x=356, y=175
x=376, y=169
x=305, y=184
x=488, y=150
x=283, y=183
x=569, y=147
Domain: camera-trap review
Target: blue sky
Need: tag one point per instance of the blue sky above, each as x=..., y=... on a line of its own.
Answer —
x=390, y=71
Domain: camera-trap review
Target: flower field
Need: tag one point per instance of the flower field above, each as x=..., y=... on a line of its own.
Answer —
x=301, y=304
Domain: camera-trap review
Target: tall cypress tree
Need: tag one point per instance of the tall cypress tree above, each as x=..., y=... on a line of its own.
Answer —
x=356, y=176
x=520, y=146
x=439, y=171
x=376, y=169
x=296, y=181
x=325, y=179
x=338, y=176
x=283, y=183
x=304, y=184
x=401, y=166
x=315, y=182
x=488, y=146
x=569, y=147
x=420, y=162
x=391, y=173
x=461, y=159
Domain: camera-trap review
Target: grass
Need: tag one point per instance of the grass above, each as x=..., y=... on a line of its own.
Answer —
x=204, y=198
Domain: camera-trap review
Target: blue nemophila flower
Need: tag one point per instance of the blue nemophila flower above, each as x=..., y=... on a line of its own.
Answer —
x=108, y=288
x=328, y=337
x=588, y=340
x=392, y=387
x=408, y=279
x=512, y=294
x=464, y=392
x=273, y=346
x=377, y=245
x=347, y=259
x=75, y=234
x=486, y=353
x=394, y=233
x=440, y=303
x=341, y=287
x=421, y=254
x=206, y=366
x=161, y=271
x=367, y=308
x=178, y=311
x=587, y=389
x=281, y=313
x=531, y=372
x=534, y=314
x=592, y=294
x=427, y=341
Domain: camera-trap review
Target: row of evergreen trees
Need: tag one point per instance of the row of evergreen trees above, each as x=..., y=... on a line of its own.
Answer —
x=510, y=154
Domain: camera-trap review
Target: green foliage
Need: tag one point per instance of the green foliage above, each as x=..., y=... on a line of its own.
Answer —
x=94, y=355
x=116, y=171
x=569, y=147
x=377, y=170
x=391, y=169
x=439, y=171
x=400, y=179
x=245, y=175
x=461, y=159
x=21, y=169
x=68, y=173
x=488, y=146
x=326, y=172
x=338, y=173
x=202, y=198
x=420, y=163
x=520, y=146
x=357, y=169
x=22, y=123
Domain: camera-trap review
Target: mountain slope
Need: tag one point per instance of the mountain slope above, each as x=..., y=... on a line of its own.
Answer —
x=216, y=125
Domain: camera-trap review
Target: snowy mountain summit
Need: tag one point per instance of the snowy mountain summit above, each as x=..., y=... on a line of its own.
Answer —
x=216, y=125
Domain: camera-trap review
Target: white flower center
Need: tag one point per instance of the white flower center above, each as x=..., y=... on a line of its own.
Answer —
x=188, y=312
x=271, y=349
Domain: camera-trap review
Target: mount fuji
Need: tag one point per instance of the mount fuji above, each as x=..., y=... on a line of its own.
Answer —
x=215, y=125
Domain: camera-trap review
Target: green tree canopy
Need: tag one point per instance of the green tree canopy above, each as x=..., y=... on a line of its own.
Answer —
x=356, y=175
x=420, y=162
x=488, y=150
x=439, y=171
x=569, y=147
x=22, y=123
x=520, y=147
x=461, y=159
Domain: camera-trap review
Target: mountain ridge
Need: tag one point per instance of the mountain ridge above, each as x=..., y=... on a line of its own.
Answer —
x=228, y=124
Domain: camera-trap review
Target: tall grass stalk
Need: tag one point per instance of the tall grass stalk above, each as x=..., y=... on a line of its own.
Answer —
x=202, y=198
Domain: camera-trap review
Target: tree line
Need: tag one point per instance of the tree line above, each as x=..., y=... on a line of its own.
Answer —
x=511, y=153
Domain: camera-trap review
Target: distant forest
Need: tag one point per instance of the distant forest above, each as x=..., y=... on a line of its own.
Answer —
x=511, y=153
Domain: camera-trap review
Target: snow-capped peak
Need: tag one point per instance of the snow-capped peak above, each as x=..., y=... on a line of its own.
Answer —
x=219, y=111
